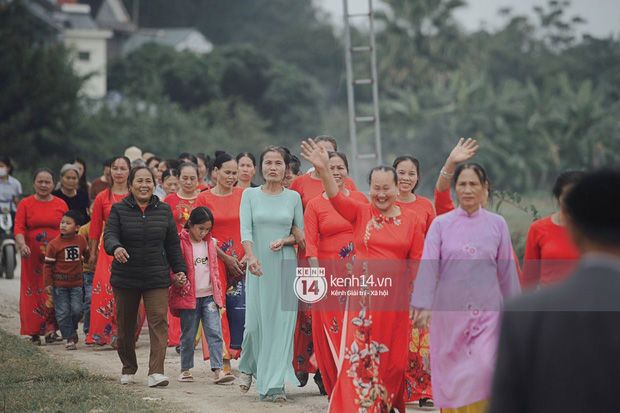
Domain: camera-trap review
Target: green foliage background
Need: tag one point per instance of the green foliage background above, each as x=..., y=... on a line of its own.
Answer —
x=538, y=98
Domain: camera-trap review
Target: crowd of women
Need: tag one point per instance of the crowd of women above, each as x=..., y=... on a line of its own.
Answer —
x=197, y=248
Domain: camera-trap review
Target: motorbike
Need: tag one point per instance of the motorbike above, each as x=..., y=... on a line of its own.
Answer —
x=8, y=258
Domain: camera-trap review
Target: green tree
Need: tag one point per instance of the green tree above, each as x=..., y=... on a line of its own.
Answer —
x=530, y=92
x=38, y=90
x=286, y=97
x=165, y=128
x=292, y=31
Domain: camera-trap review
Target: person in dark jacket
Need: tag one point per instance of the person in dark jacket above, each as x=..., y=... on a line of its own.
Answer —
x=559, y=348
x=141, y=235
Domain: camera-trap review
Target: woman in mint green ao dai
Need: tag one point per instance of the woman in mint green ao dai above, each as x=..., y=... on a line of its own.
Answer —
x=267, y=215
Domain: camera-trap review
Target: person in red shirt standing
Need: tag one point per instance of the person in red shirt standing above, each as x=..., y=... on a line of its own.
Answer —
x=418, y=387
x=102, y=182
x=408, y=171
x=375, y=353
x=63, y=275
x=329, y=243
x=224, y=200
x=309, y=186
x=182, y=203
x=293, y=171
x=203, y=161
x=102, y=328
x=36, y=224
x=549, y=251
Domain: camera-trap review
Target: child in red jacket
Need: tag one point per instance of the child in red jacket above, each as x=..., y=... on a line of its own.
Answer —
x=62, y=273
x=200, y=296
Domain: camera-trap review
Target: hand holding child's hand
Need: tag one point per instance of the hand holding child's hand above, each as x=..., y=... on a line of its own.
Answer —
x=180, y=279
x=49, y=289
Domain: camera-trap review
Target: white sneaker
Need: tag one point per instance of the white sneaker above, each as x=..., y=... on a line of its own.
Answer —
x=157, y=380
x=127, y=378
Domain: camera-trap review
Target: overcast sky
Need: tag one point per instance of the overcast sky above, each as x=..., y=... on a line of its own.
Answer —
x=602, y=16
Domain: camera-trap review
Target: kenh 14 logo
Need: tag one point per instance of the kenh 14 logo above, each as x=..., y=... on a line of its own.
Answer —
x=310, y=284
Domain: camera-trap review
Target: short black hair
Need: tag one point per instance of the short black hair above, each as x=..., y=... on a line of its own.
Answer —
x=134, y=171
x=108, y=162
x=383, y=168
x=42, y=170
x=168, y=173
x=187, y=156
x=221, y=159
x=199, y=215
x=204, y=158
x=188, y=165
x=478, y=169
x=341, y=156
x=75, y=215
x=593, y=207
x=295, y=165
x=566, y=178
x=285, y=152
x=151, y=159
x=7, y=161
x=246, y=155
x=327, y=138
x=415, y=163
x=171, y=163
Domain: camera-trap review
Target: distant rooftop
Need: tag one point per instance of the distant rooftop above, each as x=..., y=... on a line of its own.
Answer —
x=78, y=17
x=182, y=38
x=112, y=15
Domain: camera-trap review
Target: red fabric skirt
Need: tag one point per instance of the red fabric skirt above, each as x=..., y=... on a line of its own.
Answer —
x=174, y=330
x=372, y=377
x=304, y=359
x=303, y=347
x=36, y=309
x=103, y=306
x=418, y=372
x=327, y=336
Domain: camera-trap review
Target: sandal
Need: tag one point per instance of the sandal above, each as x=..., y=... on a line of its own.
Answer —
x=426, y=402
x=186, y=377
x=52, y=338
x=279, y=398
x=245, y=381
x=70, y=345
x=35, y=339
x=224, y=377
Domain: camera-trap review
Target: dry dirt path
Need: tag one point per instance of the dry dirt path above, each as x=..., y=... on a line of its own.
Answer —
x=200, y=396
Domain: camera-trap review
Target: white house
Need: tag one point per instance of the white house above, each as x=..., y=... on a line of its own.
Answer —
x=113, y=16
x=88, y=43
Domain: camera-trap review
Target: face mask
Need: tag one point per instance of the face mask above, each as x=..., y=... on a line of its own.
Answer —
x=3, y=172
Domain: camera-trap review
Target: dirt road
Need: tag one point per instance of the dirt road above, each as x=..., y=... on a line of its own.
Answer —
x=200, y=396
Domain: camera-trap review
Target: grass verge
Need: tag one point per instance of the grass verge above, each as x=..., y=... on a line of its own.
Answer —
x=30, y=381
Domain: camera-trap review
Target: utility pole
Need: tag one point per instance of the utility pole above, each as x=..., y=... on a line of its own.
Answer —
x=354, y=119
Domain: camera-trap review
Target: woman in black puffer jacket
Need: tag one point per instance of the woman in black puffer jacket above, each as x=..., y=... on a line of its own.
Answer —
x=141, y=235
